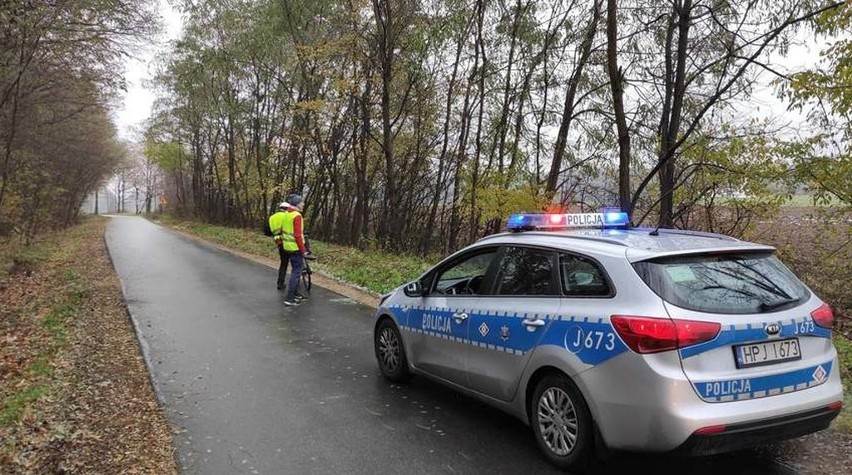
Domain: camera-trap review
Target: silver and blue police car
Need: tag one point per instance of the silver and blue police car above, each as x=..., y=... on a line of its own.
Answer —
x=620, y=339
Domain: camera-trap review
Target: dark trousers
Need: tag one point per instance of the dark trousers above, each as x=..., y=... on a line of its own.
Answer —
x=297, y=263
x=282, y=268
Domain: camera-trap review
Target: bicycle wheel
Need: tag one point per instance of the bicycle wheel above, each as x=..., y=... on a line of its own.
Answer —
x=305, y=283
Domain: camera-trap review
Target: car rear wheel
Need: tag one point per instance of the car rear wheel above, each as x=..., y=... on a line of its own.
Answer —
x=562, y=423
x=390, y=352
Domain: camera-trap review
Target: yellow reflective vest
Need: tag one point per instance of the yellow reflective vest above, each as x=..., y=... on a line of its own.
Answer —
x=288, y=231
x=276, y=224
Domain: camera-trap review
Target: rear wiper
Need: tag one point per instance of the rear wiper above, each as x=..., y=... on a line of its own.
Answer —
x=766, y=307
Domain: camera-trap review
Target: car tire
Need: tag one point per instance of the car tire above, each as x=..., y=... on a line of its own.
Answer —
x=390, y=352
x=561, y=423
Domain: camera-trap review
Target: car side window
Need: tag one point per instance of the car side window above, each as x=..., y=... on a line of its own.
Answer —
x=466, y=277
x=582, y=277
x=525, y=271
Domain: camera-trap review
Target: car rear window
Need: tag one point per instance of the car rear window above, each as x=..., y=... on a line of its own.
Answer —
x=731, y=284
x=582, y=278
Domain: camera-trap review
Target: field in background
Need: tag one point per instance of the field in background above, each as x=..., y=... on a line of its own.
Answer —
x=816, y=243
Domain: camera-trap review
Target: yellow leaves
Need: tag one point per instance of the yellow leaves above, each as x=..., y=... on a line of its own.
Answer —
x=346, y=84
x=316, y=105
x=495, y=201
x=329, y=47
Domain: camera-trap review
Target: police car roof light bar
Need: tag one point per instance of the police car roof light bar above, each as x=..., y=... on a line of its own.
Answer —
x=615, y=218
x=610, y=218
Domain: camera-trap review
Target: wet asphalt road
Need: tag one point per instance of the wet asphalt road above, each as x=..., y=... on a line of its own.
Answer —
x=251, y=386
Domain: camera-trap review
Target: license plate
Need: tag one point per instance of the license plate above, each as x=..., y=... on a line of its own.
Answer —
x=767, y=352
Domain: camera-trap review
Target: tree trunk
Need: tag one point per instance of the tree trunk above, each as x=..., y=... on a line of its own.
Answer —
x=617, y=86
x=500, y=142
x=10, y=138
x=362, y=159
x=386, y=37
x=570, y=95
x=670, y=135
x=426, y=240
x=474, y=181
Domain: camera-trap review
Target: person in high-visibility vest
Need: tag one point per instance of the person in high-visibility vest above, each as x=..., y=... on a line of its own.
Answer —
x=287, y=231
x=276, y=224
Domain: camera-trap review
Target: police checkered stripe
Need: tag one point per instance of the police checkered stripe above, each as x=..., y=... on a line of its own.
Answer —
x=484, y=345
x=572, y=318
x=787, y=383
x=465, y=341
x=744, y=332
x=752, y=326
x=491, y=313
x=761, y=326
x=762, y=394
x=586, y=319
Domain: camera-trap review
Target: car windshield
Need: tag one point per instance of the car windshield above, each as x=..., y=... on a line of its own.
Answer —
x=731, y=284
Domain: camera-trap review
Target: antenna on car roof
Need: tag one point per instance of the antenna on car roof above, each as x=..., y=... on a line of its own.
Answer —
x=656, y=231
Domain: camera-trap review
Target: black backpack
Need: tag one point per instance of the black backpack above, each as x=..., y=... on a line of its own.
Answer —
x=267, y=231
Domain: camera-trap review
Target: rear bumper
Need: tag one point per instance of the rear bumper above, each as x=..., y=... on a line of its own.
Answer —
x=661, y=411
x=755, y=433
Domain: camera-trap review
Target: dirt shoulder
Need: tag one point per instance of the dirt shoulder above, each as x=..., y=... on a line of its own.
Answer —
x=75, y=392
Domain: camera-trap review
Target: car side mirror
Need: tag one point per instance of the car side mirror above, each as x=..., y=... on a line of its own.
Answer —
x=413, y=289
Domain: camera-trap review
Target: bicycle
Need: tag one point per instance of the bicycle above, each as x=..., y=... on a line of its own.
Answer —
x=304, y=288
x=305, y=280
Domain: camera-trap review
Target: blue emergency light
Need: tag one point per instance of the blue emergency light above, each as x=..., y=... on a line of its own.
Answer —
x=614, y=217
x=609, y=218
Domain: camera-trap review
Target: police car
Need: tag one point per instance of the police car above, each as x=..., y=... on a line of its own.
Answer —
x=622, y=339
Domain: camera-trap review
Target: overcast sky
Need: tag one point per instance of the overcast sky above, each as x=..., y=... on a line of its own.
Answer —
x=139, y=98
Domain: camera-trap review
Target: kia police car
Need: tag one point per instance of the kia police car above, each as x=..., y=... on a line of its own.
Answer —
x=617, y=338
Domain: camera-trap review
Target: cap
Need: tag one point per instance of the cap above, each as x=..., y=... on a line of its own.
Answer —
x=294, y=200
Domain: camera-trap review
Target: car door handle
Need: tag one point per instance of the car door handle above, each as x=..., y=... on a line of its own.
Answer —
x=460, y=317
x=534, y=323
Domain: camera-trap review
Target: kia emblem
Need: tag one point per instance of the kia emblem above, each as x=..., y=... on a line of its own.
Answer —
x=773, y=328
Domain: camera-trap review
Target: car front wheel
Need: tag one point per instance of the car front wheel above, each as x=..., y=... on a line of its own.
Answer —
x=390, y=352
x=562, y=423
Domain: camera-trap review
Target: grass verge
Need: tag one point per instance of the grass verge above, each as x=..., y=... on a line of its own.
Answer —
x=843, y=422
x=47, y=334
x=374, y=270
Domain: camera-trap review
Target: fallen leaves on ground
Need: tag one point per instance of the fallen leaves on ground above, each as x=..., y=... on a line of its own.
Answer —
x=70, y=359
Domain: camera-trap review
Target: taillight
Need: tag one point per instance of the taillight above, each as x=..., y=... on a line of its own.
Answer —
x=823, y=316
x=654, y=335
x=711, y=430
